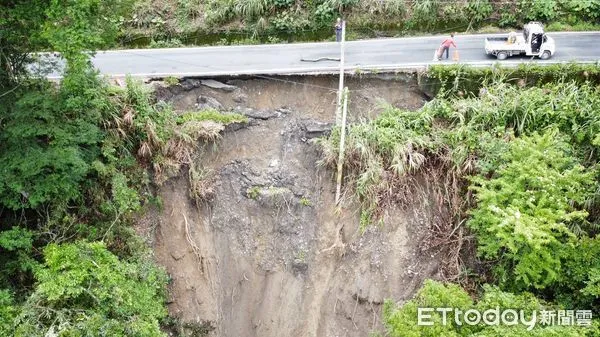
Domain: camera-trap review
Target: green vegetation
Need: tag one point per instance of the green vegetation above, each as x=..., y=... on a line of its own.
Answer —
x=513, y=160
x=230, y=21
x=511, y=154
x=212, y=115
x=171, y=43
x=304, y=201
x=403, y=321
x=253, y=192
x=82, y=288
x=171, y=80
x=527, y=212
x=457, y=80
x=77, y=163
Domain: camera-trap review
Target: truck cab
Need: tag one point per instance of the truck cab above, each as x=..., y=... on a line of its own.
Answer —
x=533, y=42
x=537, y=42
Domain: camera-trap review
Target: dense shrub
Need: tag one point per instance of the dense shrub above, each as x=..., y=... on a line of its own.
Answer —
x=84, y=290
x=525, y=211
x=402, y=321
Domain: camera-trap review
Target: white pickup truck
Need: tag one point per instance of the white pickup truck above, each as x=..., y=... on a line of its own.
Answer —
x=533, y=42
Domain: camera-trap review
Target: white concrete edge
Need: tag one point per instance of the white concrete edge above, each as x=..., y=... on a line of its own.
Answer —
x=332, y=70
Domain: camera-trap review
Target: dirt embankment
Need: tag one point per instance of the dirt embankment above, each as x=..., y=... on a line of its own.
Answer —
x=271, y=255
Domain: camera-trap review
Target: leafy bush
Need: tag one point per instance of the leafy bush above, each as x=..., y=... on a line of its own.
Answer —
x=16, y=245
x=289, y=23
x=84, y=289
x=579, y=285
x=507, y=18
x=325, y=12
x=479, y=10
x=402, y=321
x=524, y=212
x=91, y=25
x=48, y=140
x=282, y=3
x=589, y=10
x=424, y=14
x=8, y=312
x=538, y=10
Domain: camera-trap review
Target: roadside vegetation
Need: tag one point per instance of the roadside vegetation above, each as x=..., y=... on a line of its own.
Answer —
x=78, y=164
x=512, y=161
x=162, y=23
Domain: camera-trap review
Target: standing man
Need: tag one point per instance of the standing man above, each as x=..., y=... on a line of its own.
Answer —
x=446, y=47
x=338, y=30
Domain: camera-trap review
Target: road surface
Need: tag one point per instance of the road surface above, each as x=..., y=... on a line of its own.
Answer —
x=380, y=54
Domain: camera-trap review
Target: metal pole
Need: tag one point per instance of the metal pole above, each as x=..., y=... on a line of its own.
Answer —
x=338, y=112
x=340, y=164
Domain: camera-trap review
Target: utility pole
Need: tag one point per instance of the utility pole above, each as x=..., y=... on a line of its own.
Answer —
x=338, y=113
x=340, y=164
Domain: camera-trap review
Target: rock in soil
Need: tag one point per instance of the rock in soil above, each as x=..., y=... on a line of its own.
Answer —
x=218, y=85
x=205, y=102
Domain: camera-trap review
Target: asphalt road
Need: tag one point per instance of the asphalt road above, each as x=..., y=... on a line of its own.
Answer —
x=381, y=54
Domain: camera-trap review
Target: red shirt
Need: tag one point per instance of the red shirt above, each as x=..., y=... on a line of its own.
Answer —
x=448, y=42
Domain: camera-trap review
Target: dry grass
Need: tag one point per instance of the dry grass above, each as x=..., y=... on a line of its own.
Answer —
x=205, y=130
x=202, y=184
x=180, y=148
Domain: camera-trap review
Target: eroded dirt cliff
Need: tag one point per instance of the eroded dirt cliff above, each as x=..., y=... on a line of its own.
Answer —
x=271, y=254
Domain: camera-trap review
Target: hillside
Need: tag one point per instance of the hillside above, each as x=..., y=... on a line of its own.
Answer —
x=171, y=22
x=185, y=207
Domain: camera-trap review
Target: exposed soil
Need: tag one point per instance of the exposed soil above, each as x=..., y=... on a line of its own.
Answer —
x=270, y=255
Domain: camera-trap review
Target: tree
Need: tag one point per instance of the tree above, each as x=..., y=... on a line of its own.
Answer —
x=49, y=139
x=16, y=263
x=73, y=28
x=20, y=34
x=579, y=285
x=524, y=212
x=84, y=290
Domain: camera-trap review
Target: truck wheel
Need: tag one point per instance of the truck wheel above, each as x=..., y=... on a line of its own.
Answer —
x=545, y=55
x=501, y=55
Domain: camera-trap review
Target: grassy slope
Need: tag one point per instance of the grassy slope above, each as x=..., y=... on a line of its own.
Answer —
x=227, y=21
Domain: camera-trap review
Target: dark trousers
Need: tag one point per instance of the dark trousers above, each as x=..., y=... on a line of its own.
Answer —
x=338, y=35
x=445, y=49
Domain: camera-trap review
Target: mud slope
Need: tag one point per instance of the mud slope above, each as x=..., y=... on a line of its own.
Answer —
x=269, y=255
